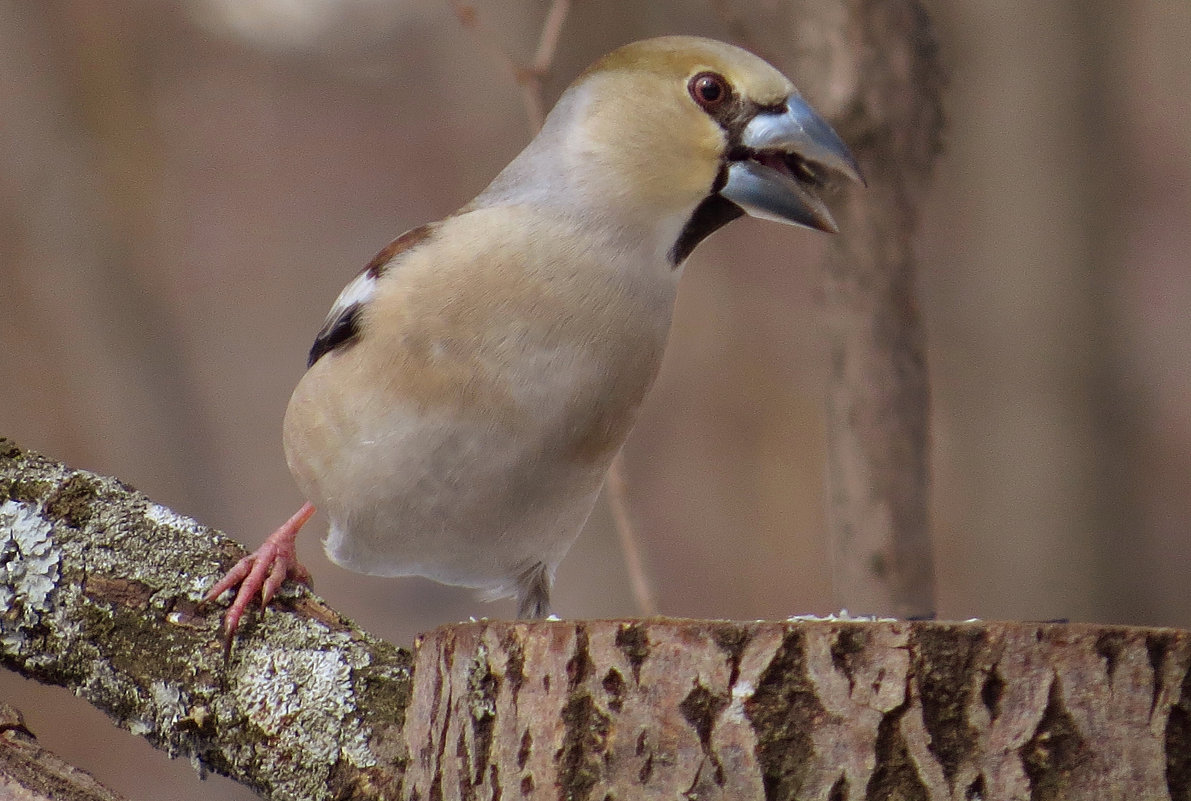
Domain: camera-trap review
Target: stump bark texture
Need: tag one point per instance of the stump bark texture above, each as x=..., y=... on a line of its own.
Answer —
x=833, y=710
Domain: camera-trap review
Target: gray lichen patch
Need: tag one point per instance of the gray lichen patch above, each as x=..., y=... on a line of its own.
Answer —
x=29, y=569
x=300, y=700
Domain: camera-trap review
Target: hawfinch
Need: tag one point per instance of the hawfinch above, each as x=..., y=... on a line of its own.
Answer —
x=471, y=386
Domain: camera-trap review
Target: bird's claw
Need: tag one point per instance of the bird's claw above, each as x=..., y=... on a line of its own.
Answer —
x=262, y=573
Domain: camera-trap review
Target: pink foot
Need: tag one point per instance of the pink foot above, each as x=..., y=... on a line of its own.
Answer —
x=263, y=571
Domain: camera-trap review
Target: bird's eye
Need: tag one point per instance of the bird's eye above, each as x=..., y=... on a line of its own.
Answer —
x=709, y=89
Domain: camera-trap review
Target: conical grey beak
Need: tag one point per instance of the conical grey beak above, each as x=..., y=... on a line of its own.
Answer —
x=786, y=155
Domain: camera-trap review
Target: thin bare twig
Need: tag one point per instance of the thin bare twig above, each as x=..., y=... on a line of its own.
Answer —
x=618, y=502
x=527, y=76
x=551, y=31
x=531, y=78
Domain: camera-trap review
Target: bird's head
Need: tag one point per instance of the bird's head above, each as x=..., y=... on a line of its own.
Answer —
x=683, y=133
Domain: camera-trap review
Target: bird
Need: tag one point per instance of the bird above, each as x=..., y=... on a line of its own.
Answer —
x=469, y=389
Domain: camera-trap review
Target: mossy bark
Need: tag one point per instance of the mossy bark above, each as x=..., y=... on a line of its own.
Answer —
x=101, y=596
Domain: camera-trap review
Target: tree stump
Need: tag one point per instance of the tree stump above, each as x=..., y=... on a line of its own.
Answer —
x=823, y=709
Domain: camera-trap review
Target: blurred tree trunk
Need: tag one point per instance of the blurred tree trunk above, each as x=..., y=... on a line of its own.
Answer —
x=878, y=400
x=80, y=278
x=873, y=67
x=1042, y=420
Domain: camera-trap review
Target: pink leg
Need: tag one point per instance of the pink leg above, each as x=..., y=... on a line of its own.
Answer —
x=263, y=571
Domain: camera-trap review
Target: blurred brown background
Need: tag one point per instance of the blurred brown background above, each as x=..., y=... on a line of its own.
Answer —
x=185, y=185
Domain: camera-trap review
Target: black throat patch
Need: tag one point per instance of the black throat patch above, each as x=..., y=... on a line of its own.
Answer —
x=712, y=214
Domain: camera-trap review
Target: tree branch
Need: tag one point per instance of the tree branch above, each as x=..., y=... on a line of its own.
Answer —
x=99, y=589
x=29, y=772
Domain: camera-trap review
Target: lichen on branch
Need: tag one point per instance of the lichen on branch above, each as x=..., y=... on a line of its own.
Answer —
x=100, y=593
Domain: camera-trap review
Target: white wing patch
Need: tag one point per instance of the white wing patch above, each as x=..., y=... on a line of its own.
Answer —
x=357, y=293
x=342, y=325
